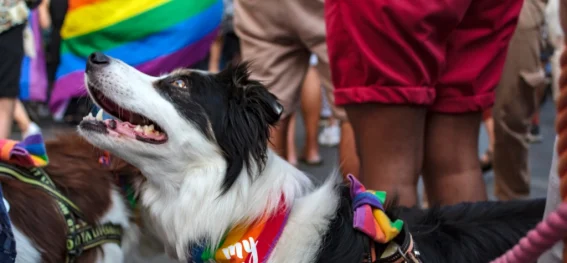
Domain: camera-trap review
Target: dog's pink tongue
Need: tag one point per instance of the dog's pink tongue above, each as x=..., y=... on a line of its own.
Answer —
x=127, y=129
x=123, y=128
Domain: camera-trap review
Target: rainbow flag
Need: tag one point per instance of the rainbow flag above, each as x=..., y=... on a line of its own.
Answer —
x=33, y=80
x=155, y=36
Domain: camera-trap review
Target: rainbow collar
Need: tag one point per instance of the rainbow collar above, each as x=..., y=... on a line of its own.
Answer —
x=246, y=244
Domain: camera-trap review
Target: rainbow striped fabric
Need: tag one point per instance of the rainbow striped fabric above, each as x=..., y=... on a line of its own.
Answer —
x=28, y=153
x=246, y=244
x=155, y=36
x=33, y=80
x=369, y=215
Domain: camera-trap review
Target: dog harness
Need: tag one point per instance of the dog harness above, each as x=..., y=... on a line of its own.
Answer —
x=370, y=218
x=18, y=162
x=246, y=243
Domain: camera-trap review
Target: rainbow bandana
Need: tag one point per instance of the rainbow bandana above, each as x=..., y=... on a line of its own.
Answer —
x=28, y=153
x=246, y=244
x=369, y=215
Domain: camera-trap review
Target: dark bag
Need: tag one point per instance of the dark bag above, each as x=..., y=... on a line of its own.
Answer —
x=32, y=3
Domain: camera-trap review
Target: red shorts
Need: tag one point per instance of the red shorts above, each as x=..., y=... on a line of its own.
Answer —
x=447, y=55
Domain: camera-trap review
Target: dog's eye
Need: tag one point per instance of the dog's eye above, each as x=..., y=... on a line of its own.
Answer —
x=179, y=83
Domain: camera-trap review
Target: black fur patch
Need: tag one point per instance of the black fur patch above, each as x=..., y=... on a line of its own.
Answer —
x=239, y=111
x=464, y=233
x=342, y=243
x=471, y=232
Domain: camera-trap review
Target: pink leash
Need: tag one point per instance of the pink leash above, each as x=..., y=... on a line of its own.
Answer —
x=538, y=240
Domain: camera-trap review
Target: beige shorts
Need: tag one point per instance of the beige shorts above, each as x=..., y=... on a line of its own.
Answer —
x=278, y=37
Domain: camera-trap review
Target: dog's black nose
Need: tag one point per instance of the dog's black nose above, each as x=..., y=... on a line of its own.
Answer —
x=99, y=58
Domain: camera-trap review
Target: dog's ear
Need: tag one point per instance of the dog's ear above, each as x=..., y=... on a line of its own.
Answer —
x=252, y=93
x=264, y=104
x=244, y=131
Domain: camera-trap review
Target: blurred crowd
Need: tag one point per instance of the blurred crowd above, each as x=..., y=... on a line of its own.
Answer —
x=399, y=104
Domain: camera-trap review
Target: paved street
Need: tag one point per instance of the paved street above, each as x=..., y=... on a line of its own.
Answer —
x=540, y=154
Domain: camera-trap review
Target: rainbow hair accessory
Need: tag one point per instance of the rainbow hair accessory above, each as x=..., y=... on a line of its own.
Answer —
x=28, y=153
x=369, y=215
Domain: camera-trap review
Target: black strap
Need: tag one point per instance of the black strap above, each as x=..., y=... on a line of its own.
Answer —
x=367, y=257
x=38, y=177
x=87, y=237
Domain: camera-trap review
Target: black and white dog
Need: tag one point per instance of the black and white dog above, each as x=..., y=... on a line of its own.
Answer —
x=201, y=140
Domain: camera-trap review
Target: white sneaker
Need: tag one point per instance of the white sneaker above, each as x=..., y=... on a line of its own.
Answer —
x=330, y=136
x=32, y=129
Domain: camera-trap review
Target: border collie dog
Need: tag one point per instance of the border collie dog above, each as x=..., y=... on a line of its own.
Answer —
x=201, y=140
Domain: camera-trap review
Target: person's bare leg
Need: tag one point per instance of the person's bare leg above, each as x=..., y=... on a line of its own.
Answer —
x=278, y=137
x=488, y=122
x=6, y=116
x=215, y=55
x=348, y=157
x=291, y=150
x=451, y=169
x=311, y=109
x=489, y=126
x=21, y=116
x=424, y=202
x=389, y=142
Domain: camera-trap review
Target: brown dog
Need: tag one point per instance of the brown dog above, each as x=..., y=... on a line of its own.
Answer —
x=40, y=228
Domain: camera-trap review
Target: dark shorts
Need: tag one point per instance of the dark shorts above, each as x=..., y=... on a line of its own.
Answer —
x=11, y=56
x=446, y=55
x=7, y=242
